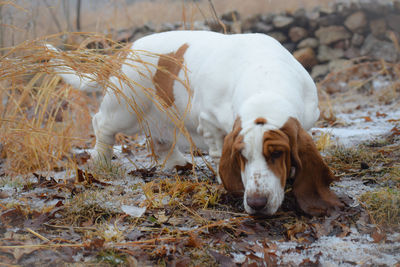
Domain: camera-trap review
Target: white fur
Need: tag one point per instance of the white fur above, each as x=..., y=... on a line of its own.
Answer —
x=245, y=75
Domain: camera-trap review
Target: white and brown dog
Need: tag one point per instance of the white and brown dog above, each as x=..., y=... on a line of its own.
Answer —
x=251, y=103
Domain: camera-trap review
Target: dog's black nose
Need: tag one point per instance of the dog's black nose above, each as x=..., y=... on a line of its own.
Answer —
x=256, y=203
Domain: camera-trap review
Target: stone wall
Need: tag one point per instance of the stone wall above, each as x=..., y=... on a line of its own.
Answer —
x=323, y=40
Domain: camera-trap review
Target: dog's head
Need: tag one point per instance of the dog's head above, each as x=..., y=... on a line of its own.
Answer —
x=258, y=158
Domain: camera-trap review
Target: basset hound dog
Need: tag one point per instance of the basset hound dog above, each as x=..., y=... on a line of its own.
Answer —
x=249, y=104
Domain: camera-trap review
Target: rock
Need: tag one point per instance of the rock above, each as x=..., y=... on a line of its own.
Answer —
x=308, y=42
x=319, y=71
x=343, y=44
x=339, y=64
x=331, y=34
x=300, y=18
x=329, y=20
x=357, y=40
x=378, y=27
x=352, y=52
x=261, y=27
x=279, y=36
x=394, y=22
x=356, y=22
x=325, y=53
x=297, y=34
x=289, y=46
x=306, y=57
x=378, y=49
x=281, y=21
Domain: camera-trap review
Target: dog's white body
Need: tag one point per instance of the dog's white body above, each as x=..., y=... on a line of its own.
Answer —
x=246, y=76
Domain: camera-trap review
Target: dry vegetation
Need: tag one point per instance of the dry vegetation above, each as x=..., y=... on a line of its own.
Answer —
x=186, y=220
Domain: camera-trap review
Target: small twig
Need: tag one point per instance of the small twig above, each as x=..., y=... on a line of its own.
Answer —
x=38, y=235
x=216, y=16
x=53, y=16
x=69, y=227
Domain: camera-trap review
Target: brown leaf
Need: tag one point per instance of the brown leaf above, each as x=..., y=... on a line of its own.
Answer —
x=367, y=118
x=13, y=217
x=94, y=244
x=378, y=235
x=222, y=259
x=83, y=176
x=378, y=114
x=194, y=241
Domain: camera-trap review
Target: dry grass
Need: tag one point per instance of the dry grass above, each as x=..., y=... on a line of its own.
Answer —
x=42, y=119
x=38, y=116
x=383, y=206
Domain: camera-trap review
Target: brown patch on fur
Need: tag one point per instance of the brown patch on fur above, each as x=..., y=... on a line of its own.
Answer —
x=232, y=162
x=260, y=121
x=313, y=176
x=276, y=151
x=169, y=66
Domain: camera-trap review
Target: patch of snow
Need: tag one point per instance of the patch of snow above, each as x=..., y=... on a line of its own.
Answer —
x=238, y=257
x=133, y=211
x=363, y=125
x=344, y=251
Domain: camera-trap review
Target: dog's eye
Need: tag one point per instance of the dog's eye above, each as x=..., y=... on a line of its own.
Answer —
x=276, y=154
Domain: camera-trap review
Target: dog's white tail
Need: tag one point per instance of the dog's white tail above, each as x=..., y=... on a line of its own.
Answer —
x=83, y=81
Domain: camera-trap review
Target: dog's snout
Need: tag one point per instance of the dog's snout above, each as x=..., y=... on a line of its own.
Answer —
x=256, y=202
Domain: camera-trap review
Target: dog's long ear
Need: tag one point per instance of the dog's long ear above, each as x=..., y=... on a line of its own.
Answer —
x=312, y=176
x=231, y=163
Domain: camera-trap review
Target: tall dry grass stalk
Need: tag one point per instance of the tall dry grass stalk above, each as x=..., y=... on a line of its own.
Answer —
x=42, y=118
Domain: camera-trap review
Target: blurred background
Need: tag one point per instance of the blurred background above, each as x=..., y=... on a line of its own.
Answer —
x=24, y=19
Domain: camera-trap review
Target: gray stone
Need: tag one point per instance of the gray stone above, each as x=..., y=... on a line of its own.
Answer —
x=319, y=71
x=308, y=42
x=356, y=22
x=261, y=27
x=289, y=46
x=357, y=40
x=378, y=49
x=329, y=20
x=297, y=34
x=339, y=64
x=281, y=21
x=378, y=27
x=279, y=36
x=394, y=22
x=331, y=34
x=325, y=53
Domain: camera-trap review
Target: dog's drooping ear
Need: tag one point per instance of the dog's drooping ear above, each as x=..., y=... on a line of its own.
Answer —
x=231, y=162
x=313, y=176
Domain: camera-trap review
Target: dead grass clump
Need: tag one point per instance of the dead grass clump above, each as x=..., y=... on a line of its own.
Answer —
x=164, y=192
x=42, y=119
x=103, y=170
x=383, y=206
x=91, y=206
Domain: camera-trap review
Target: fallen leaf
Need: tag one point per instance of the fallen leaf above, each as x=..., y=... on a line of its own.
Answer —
x=194, y=241
x=378, y=235
x=13, y=217
x=223, y=260
x=94, y=244
x=378, y=114
x=83, y=176
x=367, y=118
